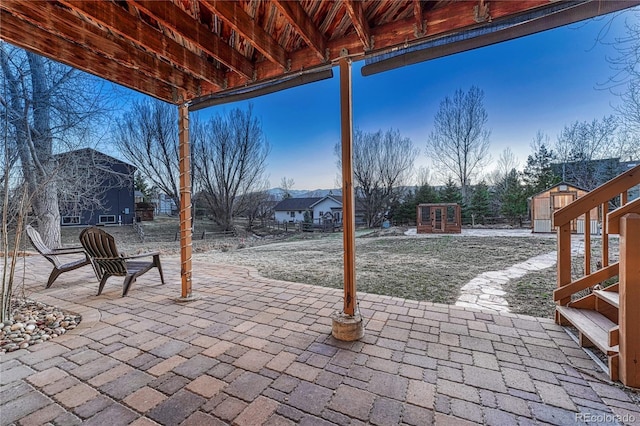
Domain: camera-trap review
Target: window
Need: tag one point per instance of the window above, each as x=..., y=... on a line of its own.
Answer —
x=70, y=220
x=109, y=218
x=451, y=214
x=292, y=214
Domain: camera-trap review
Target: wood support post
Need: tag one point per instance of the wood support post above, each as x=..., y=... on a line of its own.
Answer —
x=348, y=209
x=587, y=243
x=347, y=325
x=605, y=235
x=185, y=202
x=564, y=261
x=629, y=288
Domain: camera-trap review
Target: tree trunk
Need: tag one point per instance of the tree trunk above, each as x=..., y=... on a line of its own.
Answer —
x=45, y=194
x=45, y=207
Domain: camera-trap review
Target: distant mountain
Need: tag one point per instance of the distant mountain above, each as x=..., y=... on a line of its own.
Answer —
x=304, y=193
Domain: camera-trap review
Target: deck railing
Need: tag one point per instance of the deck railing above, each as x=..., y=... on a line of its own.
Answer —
x=624, y=220
x=600, y=197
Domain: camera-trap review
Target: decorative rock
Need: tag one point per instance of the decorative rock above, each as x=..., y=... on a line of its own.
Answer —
x=33, y=323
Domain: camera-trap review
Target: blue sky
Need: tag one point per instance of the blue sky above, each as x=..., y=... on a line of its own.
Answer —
x=540, y=82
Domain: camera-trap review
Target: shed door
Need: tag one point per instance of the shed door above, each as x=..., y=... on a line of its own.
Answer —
x=560, y=200
x=438, y=219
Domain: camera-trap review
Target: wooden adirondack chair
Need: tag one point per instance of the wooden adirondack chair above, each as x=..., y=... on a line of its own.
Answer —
x=107, y=261
x=52, y=255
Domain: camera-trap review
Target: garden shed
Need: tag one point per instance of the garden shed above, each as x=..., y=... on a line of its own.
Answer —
x=545, y=203
x=439, y=218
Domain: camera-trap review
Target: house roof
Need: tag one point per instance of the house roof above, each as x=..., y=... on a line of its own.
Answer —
x=93, y=153
x=191, y=50
x=291, y=204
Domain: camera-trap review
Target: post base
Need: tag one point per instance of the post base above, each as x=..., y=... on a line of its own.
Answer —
x=346, y=327
x=190, y=298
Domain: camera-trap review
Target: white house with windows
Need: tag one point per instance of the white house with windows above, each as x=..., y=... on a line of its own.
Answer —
x=327, y=209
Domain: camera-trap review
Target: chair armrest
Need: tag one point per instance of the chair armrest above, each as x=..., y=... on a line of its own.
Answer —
x=136, y=256
x=68, y=250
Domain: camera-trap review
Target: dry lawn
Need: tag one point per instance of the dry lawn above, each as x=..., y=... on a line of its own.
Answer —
x=413, y=267
x=430, y=269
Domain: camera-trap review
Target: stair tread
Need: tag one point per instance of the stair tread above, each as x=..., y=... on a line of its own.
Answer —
x=612, y=297
x=592, y=324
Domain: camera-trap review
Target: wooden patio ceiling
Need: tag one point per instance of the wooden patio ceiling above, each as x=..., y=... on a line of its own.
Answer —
x=186, y=50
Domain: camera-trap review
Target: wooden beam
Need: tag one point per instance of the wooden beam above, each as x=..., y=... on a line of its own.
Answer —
x=234, y=15
x=418, y=14
x=359, y=21
x=83, y=37
x=448, y=19
x=348, y=204
x=119, y=21
x=454, y=17
x=185, y=201
x=172, y=17
x=23, y=34
x=303, y=25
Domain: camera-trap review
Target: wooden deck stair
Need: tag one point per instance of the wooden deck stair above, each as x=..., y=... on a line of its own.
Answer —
x=611, y=297
x=593, y=327
x=606, y=319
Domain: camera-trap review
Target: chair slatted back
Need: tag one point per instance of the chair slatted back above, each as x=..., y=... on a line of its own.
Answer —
x=36, y=241
x=102, y=249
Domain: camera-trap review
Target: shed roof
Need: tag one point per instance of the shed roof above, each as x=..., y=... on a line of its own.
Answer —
x=194, y=50
x=557, y=185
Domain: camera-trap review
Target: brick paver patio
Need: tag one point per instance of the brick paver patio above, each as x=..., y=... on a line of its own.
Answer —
x=256, y=351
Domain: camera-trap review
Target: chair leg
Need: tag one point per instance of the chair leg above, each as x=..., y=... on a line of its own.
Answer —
x=156, y=261
x=103, y=281
x=54, y=274
x=128, y=281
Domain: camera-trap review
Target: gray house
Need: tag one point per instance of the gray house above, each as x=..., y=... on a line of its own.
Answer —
x=99, y=189
x=327, y=209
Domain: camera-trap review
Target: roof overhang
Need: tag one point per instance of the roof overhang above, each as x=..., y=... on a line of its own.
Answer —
x=203, y=51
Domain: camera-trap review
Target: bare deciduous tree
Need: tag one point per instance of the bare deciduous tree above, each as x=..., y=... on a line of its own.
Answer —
x=382, y=164
x=49, y=108
x=459, y=142
x=582, y=142
x=625, y=82
x=147, y=137
x=230, y=154
x=286, y=184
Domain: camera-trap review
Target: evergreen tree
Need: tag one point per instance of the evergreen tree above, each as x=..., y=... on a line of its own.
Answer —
x=405, y=211
x=141, y=185
x=426, y=194
x=513, y=198
x=480, y=202
x=538, y=175
x=450, y=193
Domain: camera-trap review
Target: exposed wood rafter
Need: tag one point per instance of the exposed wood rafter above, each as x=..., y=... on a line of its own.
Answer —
x=24, y=34
x=172, y=17
x=168, y=49
x=122, y=23
x=356, y=13
x=233, y=14
x=303, y=25
x=418, y=12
